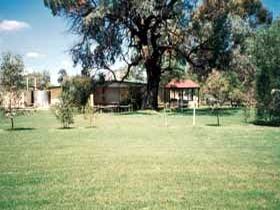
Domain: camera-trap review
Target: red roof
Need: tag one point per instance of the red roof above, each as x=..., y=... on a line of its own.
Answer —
x=183, y=84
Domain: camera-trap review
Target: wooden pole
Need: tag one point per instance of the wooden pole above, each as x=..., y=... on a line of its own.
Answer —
x=35, y=83
x=27, y=83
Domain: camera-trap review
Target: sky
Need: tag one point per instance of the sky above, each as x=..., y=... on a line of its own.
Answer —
x=28, y=28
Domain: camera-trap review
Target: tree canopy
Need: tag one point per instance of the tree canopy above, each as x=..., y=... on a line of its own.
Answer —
x=11, y=72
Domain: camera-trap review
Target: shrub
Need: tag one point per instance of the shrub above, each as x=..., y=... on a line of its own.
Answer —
x=64, y=110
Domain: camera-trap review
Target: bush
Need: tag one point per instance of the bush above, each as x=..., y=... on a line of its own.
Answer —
x=64, y=113
x=64, y=110
x=82, y=88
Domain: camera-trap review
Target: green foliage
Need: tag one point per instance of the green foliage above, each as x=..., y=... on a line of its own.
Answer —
x=11, y=72
x=62, y=75
x=223, y=86
x=236, y=89
x=78, y=89
x=223, y=27
x=11, y=82
x=242, y=77
x=82, y=88
x=218, y=86
x=265, y=51
x=64, y=110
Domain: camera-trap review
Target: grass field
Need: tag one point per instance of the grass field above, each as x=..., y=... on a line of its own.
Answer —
x=132, y=161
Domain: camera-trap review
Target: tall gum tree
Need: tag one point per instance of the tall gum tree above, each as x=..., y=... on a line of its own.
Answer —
x=157, y=34
x=223, y=26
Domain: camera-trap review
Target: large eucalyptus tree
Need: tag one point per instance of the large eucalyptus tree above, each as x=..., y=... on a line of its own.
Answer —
x=143, y=32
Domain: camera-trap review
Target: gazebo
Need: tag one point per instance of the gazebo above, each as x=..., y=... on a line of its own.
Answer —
x=182, y=93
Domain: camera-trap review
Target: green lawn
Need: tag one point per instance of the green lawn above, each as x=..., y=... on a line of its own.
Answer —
x=134, y=162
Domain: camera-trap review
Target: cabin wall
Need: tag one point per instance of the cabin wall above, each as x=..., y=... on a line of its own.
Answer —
x=55, y=93
x=119, y=94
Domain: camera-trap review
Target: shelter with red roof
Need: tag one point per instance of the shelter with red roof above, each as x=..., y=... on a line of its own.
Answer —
x=182, y=93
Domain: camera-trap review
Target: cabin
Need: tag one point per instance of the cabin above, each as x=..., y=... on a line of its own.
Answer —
x=119, y=93
x=175, y=94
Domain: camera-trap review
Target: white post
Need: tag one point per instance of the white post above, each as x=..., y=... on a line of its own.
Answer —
x=194, y=106
x=91, y=100
x=92, y=114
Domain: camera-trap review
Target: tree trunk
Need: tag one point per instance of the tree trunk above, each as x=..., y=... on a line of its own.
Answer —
x=153, y=80
x=218, y=116
x=11, y=112
x=12, y=123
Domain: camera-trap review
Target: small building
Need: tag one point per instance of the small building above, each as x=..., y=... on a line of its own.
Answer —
x=182, y=93
x=119, y=93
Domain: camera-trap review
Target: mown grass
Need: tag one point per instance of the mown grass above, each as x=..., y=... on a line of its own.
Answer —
x=133, y=161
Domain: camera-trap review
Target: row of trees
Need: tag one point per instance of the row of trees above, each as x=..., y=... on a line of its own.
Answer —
x=263, y=68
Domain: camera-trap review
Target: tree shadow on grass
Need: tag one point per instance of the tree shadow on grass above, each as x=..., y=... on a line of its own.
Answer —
x=213, y=125
x=91, y=127
x=20, y=129
x=70, y=128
